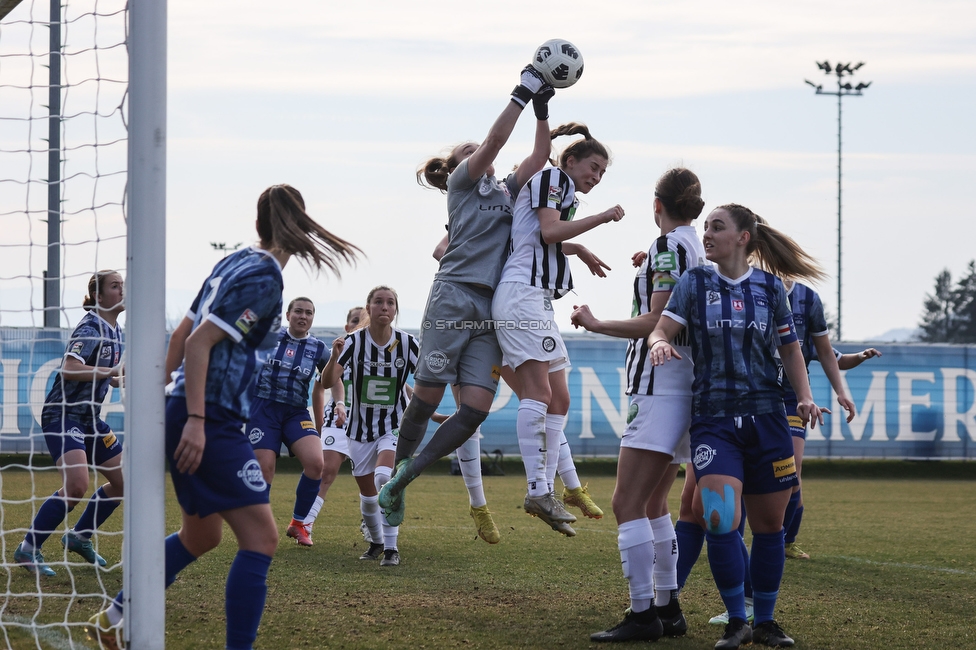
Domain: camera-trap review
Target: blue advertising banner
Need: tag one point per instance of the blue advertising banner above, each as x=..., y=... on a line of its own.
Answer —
x=916, y=401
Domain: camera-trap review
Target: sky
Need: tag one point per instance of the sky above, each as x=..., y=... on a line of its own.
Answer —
x=345, y=100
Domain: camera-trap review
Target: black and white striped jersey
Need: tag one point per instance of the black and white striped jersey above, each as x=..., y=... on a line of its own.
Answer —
x=377, y=382
x=329, y=415
x=530, y=260
x=667, y=260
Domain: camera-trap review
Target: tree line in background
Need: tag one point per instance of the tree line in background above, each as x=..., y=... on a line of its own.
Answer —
x=949, y=314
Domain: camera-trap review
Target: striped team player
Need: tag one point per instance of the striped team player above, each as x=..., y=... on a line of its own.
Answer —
x=536, y=273
x=331, y=419
x=738, y=319
x=379, y=358
x=279, y=410
x=656, y=438
x=76, y=436
x=214, y=355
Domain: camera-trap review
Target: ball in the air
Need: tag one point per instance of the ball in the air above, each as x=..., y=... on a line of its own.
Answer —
x=559, y=62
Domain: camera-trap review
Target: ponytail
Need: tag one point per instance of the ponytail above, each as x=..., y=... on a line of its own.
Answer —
x=434, y=172
x=94, y=288
x=582, y=148
x=679, y=191
x=770, y=249
x=284, y=224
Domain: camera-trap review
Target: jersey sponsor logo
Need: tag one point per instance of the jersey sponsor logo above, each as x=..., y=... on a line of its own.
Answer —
x=548, y=344
x=738, y=305
x=632, y=412
x=437, y=361
x=378, y=391
x=395, y=433
x=760, y=301
x=399, y=363
x=729, y=323
x=109, y=440
x=784, y=467
x=76, y=347
x=308, y=425
x=662, y=282
x=496, y=373
x=76, y=434
x=795, y=421
x=246, y=321
x=666, y=261
x=252, y=476
x=713, y=297
x=309, y=354
x=329, y=441
x=255, y=435
x=547, y=304
x=703, y=457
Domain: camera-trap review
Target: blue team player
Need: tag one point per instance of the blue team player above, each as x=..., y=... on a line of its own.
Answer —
x=76, y=435
x=738, y=318
x=216, y=352
x=279, y=411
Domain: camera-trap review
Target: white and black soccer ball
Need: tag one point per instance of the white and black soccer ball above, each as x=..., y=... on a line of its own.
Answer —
x=559, y=62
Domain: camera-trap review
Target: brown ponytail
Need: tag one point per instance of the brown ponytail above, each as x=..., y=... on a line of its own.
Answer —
x=435, y=171
x=284, y=224
x=580, y=149
x=770, y=249
x=94, y=288
x=679, y=191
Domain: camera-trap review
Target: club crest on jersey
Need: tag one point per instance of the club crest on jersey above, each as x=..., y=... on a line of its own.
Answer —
x=289, y=352
x=399, y=363
x=548, y=344
x=704, y=455
x=738, y=305
x=252, y=476
x=329, y=440
x=255, y=435
x=246, y=321
x=106, y=353
x=436, y=361
x=76, y=434
x=713, y=297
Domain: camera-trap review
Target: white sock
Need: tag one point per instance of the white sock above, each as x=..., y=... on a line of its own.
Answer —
x=531, y=429
x=665, y=559
x=381, y=476
x=566, y=467
x=390, y=534
x=370, y=508
x=313, y=512
x=469, y=458
x=554, y=431
x=636, y=543
x=26, y=546
x=114, y=614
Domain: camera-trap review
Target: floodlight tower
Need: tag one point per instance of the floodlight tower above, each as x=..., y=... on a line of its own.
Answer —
x=844, y=89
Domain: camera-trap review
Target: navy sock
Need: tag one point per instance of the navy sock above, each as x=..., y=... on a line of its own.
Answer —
x=690, y=539
x=305, y=495
x=794, y=526
x=725, y=558
x=49, y=516
x=177, y=557
x=247, y=588
x=747, y=574
x=766, y=565
x=100, y=507
x=791, y=511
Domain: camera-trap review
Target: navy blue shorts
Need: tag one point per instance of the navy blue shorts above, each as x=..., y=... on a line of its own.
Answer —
x=756, y=449
x=797, y=428
x=228, y=476
x=273, y=423
x=97, y=439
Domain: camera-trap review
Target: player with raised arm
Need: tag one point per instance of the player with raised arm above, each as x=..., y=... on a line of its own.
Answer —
x=76, y=436
x=279, y=410
x=379, y=359
x=213, y=358
x=656, y=438
x=459, y=345
x=536, y=273
x=737, y=318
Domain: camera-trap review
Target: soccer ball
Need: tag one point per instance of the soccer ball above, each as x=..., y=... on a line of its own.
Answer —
x=559, y=62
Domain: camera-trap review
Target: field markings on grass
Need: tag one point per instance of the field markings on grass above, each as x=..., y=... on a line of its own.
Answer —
x=53, y=638
x=903, y=565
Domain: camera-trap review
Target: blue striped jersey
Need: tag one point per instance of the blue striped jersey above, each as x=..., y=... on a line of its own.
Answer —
x=810, y=321
x=735, y=327
x=669, y=257
x=530, y=259
x=95, y=343
x=289, y=369
x=242, y=297
x=377, y=381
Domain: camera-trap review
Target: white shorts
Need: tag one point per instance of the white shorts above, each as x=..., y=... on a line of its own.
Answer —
x=334, y=439
x=659, y=423
x=526, y=327
x=363, y=454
